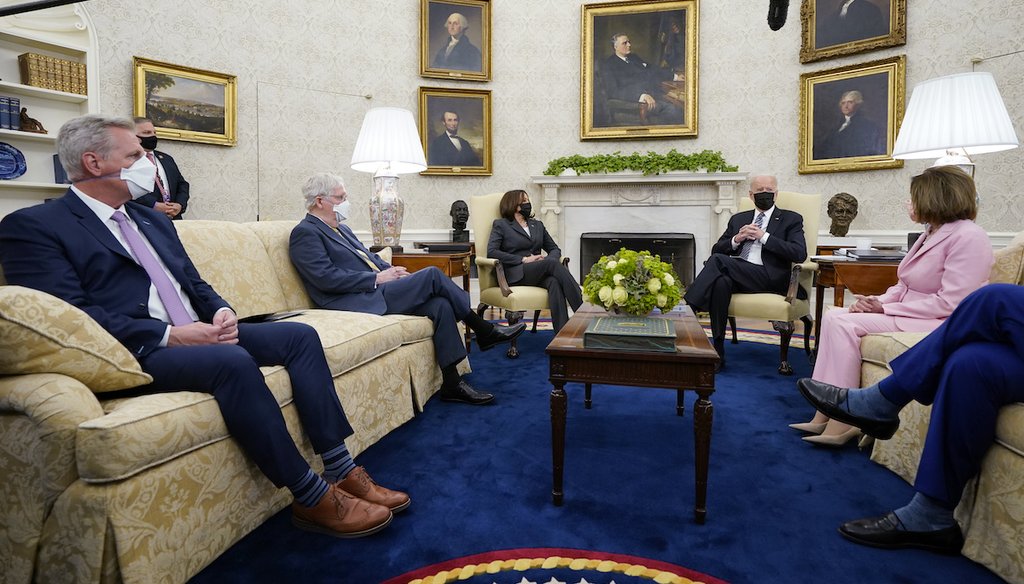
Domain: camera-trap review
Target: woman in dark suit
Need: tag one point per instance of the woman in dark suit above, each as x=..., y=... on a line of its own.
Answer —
x=517, y=240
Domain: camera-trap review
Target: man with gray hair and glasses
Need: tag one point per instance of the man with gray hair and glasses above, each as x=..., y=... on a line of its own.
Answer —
x=122, y=264
x=340, y=273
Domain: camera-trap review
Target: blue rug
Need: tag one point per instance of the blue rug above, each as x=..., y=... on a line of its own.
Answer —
x=480, y=480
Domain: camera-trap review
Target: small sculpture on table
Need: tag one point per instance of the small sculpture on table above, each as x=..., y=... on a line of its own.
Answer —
x=460, y=216
x=842, y=209
x=31, y=124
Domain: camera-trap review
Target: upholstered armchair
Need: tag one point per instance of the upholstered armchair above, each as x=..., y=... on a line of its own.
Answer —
x=784, y=311
x=494, y=288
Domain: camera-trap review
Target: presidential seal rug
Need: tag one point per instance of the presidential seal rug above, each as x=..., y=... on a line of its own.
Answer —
x=553, y=566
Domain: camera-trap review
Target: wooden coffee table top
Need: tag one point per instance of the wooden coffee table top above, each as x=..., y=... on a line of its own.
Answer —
x=692, y=342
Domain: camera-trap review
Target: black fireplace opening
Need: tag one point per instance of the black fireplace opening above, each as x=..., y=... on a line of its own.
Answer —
x=678, y=249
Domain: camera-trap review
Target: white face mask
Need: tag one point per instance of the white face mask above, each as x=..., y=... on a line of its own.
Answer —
x=342, y=210
x=140, y=176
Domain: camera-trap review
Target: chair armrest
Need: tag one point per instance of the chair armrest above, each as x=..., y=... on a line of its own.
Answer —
x=794, y=282
x=499, y=270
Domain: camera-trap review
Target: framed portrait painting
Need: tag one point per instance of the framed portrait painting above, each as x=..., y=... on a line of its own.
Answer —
x=639, y=70
x=186, y=104
x=849, y=116
x=455, y=128
x=455, y=39
x=831, y=28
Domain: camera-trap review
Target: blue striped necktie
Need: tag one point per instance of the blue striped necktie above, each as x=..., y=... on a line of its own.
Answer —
x=749, y=244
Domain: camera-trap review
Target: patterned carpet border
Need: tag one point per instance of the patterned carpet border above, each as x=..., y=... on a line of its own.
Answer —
x=557, y=563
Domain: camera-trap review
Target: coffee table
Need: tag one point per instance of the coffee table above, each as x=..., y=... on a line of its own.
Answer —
x=691, y=366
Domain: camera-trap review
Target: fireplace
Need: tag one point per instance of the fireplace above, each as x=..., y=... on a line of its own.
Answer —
x=677, y=249
x=695, y=203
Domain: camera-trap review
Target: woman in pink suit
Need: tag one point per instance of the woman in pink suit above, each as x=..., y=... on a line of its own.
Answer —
x=951, y=259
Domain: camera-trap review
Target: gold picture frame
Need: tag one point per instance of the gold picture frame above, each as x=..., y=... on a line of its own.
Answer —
x=185, y=103
x=661, y=64
x=849, y=116
x=468, y=152
x=866, y=25
x=470, y=58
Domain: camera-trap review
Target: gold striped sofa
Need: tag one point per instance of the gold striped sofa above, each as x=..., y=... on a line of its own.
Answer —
x=152, y=488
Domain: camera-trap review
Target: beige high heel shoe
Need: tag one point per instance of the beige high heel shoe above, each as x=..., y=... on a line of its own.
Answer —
x=834, y=441
x=809, y=427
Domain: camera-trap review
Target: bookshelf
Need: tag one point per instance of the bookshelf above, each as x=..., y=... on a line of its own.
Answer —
x=65, y=35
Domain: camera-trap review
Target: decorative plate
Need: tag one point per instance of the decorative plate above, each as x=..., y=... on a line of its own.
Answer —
x=12, y=162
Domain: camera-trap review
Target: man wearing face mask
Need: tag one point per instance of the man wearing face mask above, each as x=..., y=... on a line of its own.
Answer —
x=170, y=190
x=753, y=255
x=123, y=264
x=340, y=273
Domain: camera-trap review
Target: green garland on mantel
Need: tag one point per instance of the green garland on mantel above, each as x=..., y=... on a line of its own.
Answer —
x=650, y=163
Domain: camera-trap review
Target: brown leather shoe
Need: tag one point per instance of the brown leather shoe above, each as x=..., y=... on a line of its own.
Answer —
x=359, y=483
x=340, y=514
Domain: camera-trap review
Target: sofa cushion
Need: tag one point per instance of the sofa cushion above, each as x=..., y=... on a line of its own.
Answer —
x=141, y=432
x=40, y=333
x=274, y=236
x=1008, y=267
x=1010, y=427
x=880, y=348
x=248, y=280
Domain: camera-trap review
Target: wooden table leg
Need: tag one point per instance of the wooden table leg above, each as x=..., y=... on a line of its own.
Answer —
x=558, y=409
x=819, y=308
x=586, y=396
x=702, y=415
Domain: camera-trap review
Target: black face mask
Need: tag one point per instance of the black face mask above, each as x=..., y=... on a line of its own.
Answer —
x=526, y=210
x=148, y=142
x=764, y=200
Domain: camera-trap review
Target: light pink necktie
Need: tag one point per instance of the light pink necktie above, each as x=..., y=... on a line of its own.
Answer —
x=176, y=310
x=159, y=183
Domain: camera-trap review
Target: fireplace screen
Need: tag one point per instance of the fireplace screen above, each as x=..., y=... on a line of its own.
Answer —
x=677, y=249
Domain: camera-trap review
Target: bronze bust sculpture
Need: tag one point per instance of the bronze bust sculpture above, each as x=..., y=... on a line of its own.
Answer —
x=460, y=216
x=842, y=209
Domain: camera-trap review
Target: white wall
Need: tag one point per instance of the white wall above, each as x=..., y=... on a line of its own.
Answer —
x=296, y=60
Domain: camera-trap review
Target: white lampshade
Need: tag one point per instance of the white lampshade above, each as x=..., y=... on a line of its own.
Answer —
x=389, y=139
x=962, y=112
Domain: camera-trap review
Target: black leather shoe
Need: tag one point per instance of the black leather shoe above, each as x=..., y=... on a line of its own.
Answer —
x=831, y=401
x=500, y=334
x=886, y=532
x=464, y=393
x=719, y=345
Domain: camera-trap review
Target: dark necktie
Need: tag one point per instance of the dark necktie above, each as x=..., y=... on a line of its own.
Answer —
x=159, y=181
x=749, y=244
x=176, y=310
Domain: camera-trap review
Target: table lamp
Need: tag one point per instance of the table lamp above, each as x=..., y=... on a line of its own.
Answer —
x=388, y=145
x=954, y=117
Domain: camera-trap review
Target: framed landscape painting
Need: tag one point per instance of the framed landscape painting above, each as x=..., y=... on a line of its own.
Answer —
x=455, y=128
x=455, y=39
x=186, y=104
x=639, y=70
x=831, y=28
x=849, y=116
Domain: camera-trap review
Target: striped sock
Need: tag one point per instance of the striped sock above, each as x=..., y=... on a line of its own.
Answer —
x=337, y=463
x=309, y=489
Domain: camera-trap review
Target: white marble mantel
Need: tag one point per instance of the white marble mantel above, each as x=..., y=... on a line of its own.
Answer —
x=689, y=202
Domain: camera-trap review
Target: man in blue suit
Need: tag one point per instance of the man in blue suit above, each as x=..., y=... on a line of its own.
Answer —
x=123, y=264
x=340, y=273
x=967, y=369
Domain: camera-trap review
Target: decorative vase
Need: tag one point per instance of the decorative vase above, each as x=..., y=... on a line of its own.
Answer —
x=387, y=210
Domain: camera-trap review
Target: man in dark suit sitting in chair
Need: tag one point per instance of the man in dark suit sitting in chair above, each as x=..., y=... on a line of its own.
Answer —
x=755, y=254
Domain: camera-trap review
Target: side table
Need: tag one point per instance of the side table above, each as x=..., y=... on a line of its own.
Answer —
x=452, y=264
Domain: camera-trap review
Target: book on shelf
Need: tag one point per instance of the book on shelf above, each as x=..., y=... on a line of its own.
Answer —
x=59, y=176
x=630, y=333
x=15, y=107
x=5, y=112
